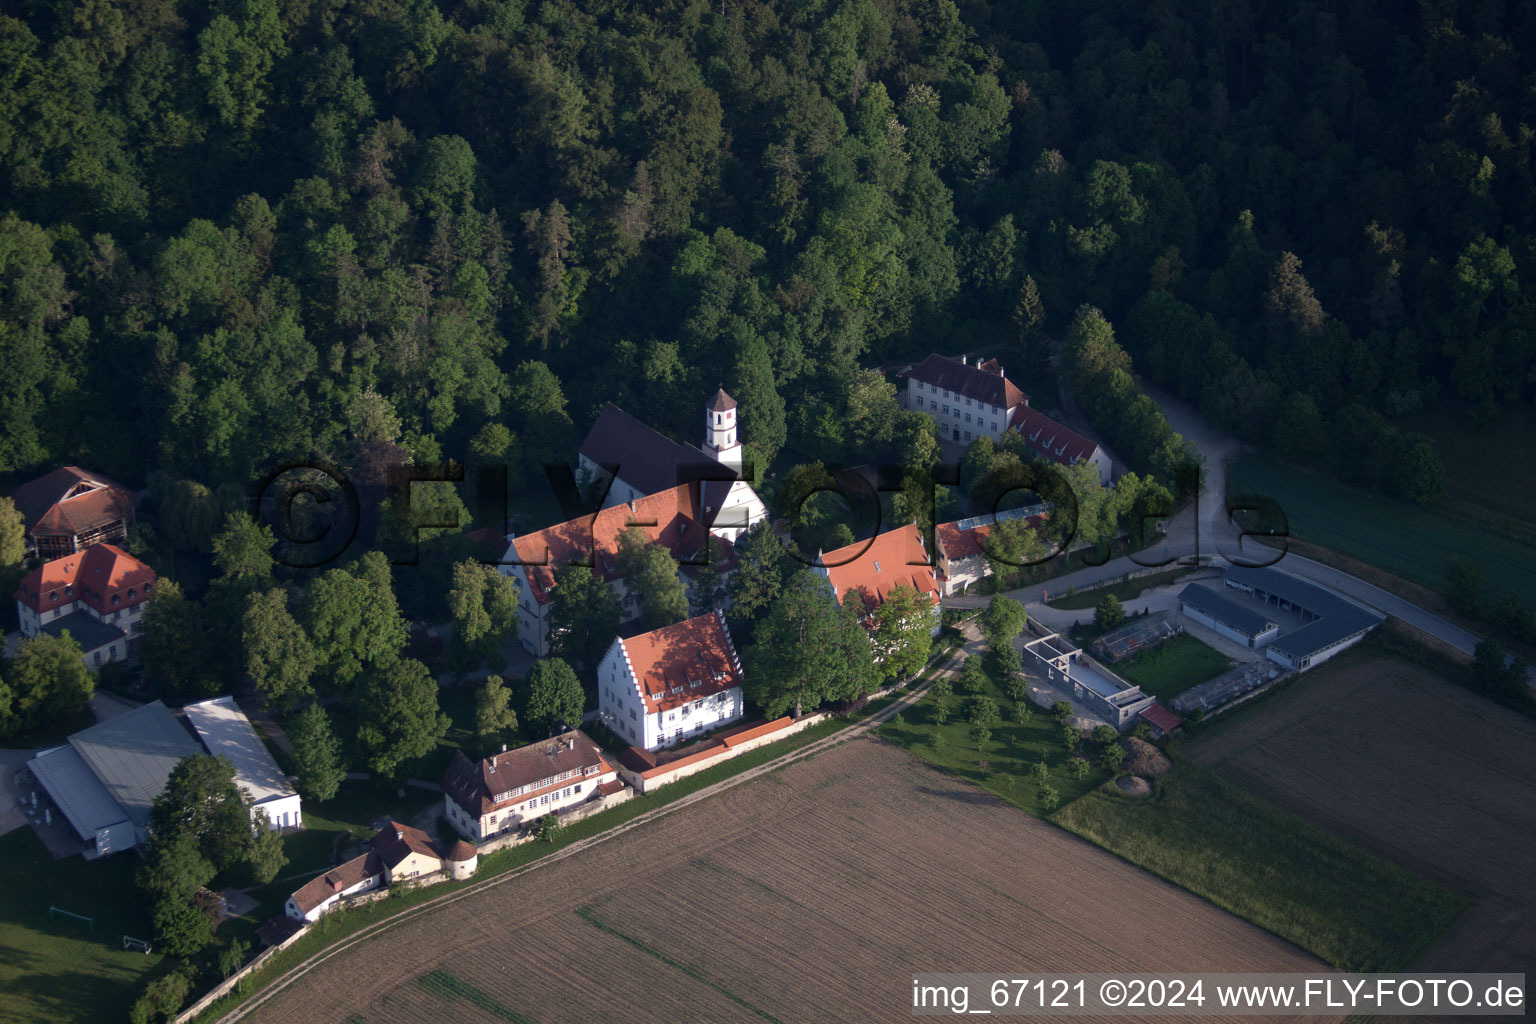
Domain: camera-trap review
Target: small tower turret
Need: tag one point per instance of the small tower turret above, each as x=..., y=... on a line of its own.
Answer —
x=720, y=430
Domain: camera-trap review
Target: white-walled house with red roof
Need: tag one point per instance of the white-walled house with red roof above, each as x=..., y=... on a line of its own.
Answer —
x=97, y=595
x=869, y=570
x=673, y=683
x=969, y=401
x=506, y=791
x=674, y=519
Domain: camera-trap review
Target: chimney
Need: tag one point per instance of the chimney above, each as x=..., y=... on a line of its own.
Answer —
x=399, y=834
x=570, y=743
x=503, y=748
x=964, y=359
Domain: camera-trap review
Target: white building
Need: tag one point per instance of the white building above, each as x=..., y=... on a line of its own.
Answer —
x=960, y=558
x=508, y=790
x=671, y=684
x=321, y=893
x=226, y=732
x=634, y=461
x=678, y=519
x=973, y=401
x=97, y=595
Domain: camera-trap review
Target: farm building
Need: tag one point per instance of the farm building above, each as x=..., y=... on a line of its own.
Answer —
x=1229, y=688
x=1109, y=696
x=226, y=732
x=506, y=791
x=1139, y=635
x=1162, y=721
x=1233, y=620
x=72, y=509
x=105, y=779
x=1328, y=623
x=671, y=684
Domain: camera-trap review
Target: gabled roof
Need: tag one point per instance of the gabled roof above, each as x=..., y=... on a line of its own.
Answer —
x=873, y=568
x=71, y=500
x=683, y=662
x=981, y=383
x=474, y=785
x=1161, y=717
x=1235, y=614
x=647, y=460
x=76, y=790
x=226, y=732
x=395, y=842
x=95, y=576
x=1050, y=439
x=1337, y=618
x=673, y=518
x=134, y=753
x=721, y=402
x=340, y=878
x=965, y=538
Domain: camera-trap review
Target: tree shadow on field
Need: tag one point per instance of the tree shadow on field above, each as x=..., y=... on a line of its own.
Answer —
x=979, y=797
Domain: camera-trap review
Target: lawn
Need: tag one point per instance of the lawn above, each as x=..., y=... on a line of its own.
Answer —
x=1246, y=855
x=1009, y=755
x=1482, y=482
x=56, y=970
x=1124, y=590
x=1403, y=539
x=1173, y=666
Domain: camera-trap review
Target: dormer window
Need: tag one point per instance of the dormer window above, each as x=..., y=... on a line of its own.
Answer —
x=69, y=591
x=116, y=599
x=148, y=587
x=131, y=593
x=53, y=595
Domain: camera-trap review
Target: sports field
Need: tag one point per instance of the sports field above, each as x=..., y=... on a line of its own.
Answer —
x=813, y=893
x=1384, y=752
x=54, y=969
x=1403, y=539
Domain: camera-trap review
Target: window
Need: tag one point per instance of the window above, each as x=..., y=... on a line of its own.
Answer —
x=967, y=401
x=53, y=595
x=919, y=403
x=672, y=716
x=69, y=591
x=967, y=417
x=994, y=428
x=116, y=599
x=946, y=410
x=967, y=435
x=97, y=657
x=632, y=715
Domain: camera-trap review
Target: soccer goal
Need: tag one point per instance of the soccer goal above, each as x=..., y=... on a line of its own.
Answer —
x=129, y=942
x=90, y=922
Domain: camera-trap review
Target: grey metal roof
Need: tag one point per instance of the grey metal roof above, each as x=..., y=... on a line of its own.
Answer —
x=225, y=731
x=87, y=631
x=133, y=755
x=1217, y=606
x=1337, y=618
x=76, y=790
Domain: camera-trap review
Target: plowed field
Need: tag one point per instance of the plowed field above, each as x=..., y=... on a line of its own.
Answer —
x=1417, y=770
x=812, y=894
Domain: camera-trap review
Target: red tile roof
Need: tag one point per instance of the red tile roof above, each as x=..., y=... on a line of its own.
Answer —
x=95, y=576
x=957, y=544
x=877, y=566
x=611, y=787
x=982, y=383
x=671, y=518
x=721, y=402
x=395, y=842
x=474, y=785
x=683, y=662
x=1161, y=717
x=343, y=876
x=460, y=852
x=1051, y=439
x=48, y=512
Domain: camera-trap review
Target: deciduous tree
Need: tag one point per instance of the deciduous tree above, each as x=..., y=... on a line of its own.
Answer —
x=554, y=696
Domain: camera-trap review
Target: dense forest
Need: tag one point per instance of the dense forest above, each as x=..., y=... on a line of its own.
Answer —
x=241, y=231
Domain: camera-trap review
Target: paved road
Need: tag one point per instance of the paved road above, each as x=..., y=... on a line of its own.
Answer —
x=1203, y=529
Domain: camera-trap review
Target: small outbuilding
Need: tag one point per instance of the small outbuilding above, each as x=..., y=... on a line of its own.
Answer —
x=461, y=859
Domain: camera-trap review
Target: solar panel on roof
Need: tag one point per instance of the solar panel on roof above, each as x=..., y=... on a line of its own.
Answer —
x=1027, y=512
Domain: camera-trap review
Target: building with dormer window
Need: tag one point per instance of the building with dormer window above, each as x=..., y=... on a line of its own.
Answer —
x=96, y=595
x=671, y=684
x=508, y=790
x=72, y=509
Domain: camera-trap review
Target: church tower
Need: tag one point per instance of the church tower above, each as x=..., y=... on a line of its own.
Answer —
x=720, y=430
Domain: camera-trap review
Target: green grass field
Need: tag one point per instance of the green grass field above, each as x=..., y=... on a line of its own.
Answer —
x=1411, y=542
x=1125, y=590
x=1010, y=754
x=55, y=970
x=1482, y=482
x=1216, y=839
x=1173, y=666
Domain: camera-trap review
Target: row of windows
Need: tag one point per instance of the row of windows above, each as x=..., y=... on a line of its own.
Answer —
x=946, y=393
x=53, y=595
x=936, y=407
